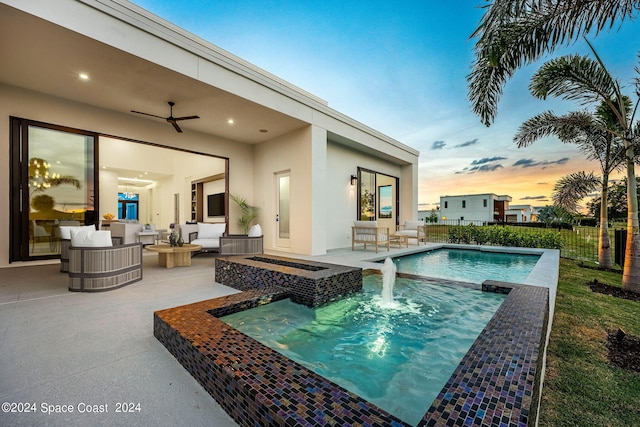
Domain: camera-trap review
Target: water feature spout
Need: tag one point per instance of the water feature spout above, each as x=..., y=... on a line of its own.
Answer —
x=388, y=281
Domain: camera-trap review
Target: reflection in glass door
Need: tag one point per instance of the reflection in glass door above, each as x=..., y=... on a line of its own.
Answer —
x=56, y=188
x=283, y=188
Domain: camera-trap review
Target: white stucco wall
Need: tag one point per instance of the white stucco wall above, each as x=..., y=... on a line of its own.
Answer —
x=341, y=206
x=291, y=152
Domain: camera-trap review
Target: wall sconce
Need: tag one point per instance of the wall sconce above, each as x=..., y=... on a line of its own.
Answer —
x=354, y=179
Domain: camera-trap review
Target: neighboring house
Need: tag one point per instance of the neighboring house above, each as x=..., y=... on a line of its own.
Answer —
x=477, y=208
x=521, y=213
x=73, y=71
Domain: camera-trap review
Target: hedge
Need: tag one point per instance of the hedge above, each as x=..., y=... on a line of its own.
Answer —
x=505, y=236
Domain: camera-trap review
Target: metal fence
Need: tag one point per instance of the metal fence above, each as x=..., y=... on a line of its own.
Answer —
x=579, y=242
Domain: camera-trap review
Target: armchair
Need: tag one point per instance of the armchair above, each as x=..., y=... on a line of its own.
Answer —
x=368, y=233
x=413, y=230
x=96, y=265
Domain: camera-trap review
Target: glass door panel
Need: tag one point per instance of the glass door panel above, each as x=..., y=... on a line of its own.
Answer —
x=60, y=186
x=367, y=196
x=283, y=183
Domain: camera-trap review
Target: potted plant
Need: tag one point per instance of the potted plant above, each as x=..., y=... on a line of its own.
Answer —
x=248, y=212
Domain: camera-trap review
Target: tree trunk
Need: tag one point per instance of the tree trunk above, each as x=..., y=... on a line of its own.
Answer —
x=604, y=248
x=631, y=271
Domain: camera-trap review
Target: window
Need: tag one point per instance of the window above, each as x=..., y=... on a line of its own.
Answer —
x=484, y=203
x=446, y=205
x=464, y=204
x=377, y=196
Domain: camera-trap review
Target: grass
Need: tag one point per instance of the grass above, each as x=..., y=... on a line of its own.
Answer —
x=581, y=388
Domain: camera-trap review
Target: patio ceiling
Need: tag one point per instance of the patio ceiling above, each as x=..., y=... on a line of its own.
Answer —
x=47, y=58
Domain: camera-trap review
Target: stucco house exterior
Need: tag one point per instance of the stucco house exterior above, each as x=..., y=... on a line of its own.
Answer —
x=521, y=213
x=84, y=93
x=477, y=208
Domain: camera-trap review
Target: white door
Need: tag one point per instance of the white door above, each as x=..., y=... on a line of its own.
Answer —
x=283, y=204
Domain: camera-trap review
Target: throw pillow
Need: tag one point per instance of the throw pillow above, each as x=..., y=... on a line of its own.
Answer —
x=85, y=238
x=255, y=231
x=65, y=230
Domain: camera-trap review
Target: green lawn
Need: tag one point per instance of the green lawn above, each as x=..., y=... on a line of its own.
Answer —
x=581, y=388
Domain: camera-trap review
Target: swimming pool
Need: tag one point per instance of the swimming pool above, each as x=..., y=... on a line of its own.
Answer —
x=396, y=356
x=469, y=265
x=497, y=381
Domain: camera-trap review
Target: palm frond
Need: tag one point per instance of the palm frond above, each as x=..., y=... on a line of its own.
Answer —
x=513, y=33
x=575, y=78
x=572, y=188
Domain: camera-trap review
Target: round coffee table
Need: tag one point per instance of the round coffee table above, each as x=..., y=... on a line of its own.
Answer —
x=174, y=256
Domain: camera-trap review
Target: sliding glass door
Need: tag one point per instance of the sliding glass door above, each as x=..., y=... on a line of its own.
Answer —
x=53, y=183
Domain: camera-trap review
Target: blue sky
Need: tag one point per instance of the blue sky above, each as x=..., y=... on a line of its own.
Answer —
x=400, y=67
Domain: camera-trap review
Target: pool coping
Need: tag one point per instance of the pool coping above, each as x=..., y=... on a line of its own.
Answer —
x=498, y=381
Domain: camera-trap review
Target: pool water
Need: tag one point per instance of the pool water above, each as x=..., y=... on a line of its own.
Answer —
x=396, y=356
x=469, y=265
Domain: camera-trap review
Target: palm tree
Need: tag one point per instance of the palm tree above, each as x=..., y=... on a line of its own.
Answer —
x=514, y=33
x=579, y=78
x=248, y=212
x=589, y=132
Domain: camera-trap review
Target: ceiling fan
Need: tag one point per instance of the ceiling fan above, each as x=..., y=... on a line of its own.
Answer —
x=170, y=119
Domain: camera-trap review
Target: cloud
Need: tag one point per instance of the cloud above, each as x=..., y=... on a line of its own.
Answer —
x=487, y=160
x=530, y=163
x=438, y=145
x=533, y=198
x=466, y=144
x=486, y=164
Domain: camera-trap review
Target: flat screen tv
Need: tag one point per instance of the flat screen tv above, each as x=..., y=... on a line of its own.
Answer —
x=215, y=205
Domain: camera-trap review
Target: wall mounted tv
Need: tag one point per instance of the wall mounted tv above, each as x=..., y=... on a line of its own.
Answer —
x=216, y=205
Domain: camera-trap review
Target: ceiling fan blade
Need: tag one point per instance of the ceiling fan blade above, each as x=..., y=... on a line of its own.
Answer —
x=187, y=118
x=175, y=125
x=147, y=114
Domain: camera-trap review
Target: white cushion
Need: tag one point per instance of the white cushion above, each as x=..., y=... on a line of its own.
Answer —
x=86, y=238
x=365, y=223
x=211, y=231
x=409, y=233
x=207, y=243
x=255, y=231
x=412, y=225
x=65, y=230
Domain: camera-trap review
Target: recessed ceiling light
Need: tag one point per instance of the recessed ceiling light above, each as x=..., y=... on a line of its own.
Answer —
x=230, y=121
x=83, y=76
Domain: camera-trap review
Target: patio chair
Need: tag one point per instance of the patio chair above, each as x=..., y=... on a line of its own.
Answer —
x=368, y=233
x=413, y=230
x=95, y=264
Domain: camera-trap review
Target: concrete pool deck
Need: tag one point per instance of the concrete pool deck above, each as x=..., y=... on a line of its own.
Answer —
x=64, y=348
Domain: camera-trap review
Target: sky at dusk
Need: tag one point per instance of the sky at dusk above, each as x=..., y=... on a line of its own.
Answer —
x=400, y=67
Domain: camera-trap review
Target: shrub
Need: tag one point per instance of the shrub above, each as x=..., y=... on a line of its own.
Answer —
x=505, y=236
